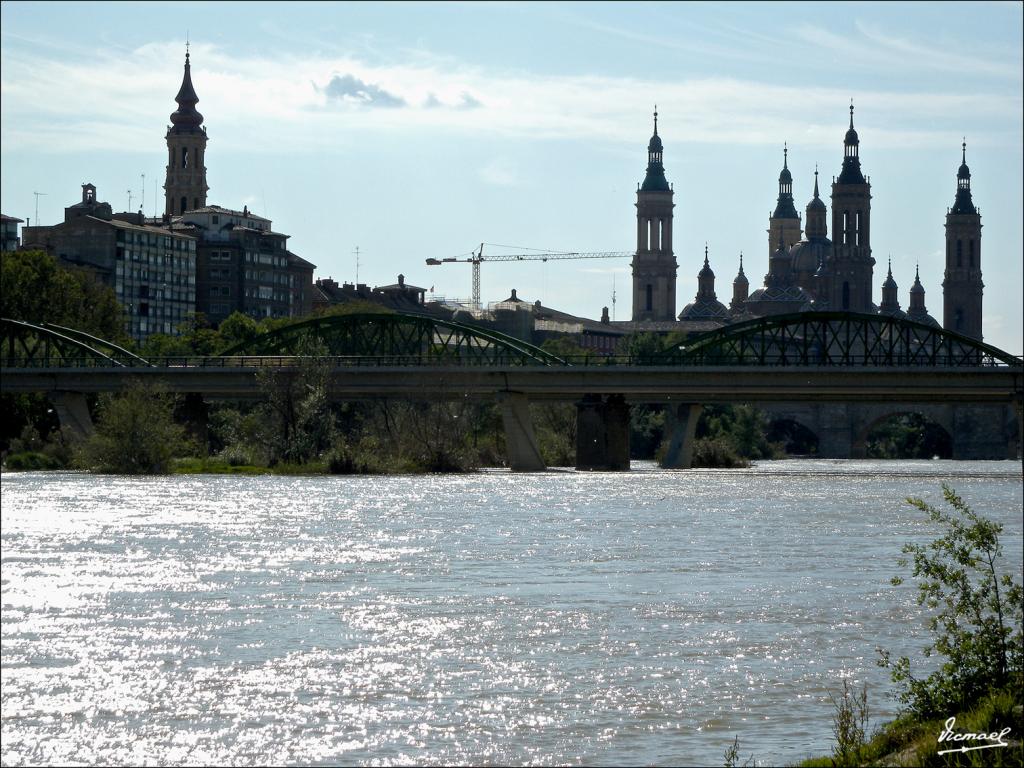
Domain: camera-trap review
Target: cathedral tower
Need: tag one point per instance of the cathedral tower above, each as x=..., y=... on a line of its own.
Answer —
x=890, y=295
x=785, y=221
x=962, y=286
x=185, y=185
x=848, y=279
x=740, y=289
x=654, y=265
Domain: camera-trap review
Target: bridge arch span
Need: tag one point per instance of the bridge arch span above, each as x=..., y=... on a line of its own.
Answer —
x=42, y=345
x=406, y=338
x=836, y=339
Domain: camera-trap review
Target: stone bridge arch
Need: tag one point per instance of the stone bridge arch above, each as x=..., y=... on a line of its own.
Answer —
x=874, y=414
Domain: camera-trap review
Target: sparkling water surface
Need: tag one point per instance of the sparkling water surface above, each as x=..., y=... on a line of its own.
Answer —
x=564, y=617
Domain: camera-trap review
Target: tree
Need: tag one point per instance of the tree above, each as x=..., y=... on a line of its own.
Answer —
x=135, y=435
x=301, y=422
x=36, y=289
x=237, y=328
x=976, y=613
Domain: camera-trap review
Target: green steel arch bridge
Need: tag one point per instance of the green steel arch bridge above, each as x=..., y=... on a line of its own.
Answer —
x=823, y=357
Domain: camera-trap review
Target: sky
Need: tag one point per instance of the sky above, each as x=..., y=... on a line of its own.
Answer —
x=416, y=131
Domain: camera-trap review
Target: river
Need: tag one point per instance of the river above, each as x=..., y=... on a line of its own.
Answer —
x=565, y=617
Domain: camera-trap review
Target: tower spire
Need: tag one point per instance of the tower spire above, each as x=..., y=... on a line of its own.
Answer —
x=655, y=119
x=185, y=186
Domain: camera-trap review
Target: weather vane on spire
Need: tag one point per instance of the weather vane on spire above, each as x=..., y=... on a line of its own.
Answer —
x=655, y=119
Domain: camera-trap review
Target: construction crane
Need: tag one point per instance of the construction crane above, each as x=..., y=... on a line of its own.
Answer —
x=476, y=258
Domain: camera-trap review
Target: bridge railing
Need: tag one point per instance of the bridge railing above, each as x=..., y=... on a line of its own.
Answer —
x=510, y=361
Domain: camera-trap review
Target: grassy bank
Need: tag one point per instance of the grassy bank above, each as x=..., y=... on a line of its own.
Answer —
x=911, y=741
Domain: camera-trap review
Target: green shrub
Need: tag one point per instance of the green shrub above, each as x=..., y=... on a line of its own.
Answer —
x=716, y=452
x=31, y=461
x=976, y=614
x=135, y=434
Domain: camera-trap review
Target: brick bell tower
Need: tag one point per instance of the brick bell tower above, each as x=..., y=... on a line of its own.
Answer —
x=185, y=184
x=962, y=287
x=848, y=283
x=784, y=222
x=654, y=265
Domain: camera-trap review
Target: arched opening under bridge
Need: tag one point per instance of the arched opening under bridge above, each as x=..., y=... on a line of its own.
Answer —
x=794, y=438
x=908, y=435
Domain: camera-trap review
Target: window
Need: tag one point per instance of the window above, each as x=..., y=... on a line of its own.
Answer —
x=970, y=253
x=959, y=253
x=958, y=319
x=184, y=204
x=846, y=226
x=184, y=157
x=650, y=297
x=856, y=233
x=846, y=295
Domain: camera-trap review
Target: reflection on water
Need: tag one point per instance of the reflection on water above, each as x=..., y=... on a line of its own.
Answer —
x=487, y=618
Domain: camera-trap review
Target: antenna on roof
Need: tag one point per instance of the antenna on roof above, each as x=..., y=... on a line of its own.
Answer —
x=142, y=205
x=613, y=295
x=37, y=194
x=129, y=200
x=357, y=264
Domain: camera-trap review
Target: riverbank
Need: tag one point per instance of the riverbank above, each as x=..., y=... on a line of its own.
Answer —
x=908, y=742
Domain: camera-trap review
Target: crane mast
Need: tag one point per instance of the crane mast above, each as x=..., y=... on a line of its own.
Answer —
x=476, y=258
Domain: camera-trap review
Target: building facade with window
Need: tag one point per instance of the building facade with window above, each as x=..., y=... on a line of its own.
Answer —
x=151, y=269
x=243, y=265
x=9, y=240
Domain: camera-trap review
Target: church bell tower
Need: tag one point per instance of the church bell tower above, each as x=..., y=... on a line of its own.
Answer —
x=654, y=265
x=962, y=286
x=848, y=283
x=185, y=184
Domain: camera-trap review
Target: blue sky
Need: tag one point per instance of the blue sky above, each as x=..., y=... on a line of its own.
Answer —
x=419, y=130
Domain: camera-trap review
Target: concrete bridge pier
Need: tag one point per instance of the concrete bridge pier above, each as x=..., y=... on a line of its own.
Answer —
x=684, y=419
x=602, y=433
x=836, y=439
x=520, y=441
x=73, y=412
x=984, y=432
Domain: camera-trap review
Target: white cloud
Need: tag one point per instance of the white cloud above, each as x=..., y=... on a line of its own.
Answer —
x=500, y=172
x=90, y=103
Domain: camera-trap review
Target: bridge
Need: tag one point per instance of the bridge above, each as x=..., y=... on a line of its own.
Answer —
x=832, y=372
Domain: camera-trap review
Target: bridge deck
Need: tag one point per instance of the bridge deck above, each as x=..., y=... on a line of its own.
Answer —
x=638, y=383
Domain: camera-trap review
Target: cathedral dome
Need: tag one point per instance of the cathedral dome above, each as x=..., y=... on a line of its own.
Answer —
x=704, y=309
x=808, y=255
